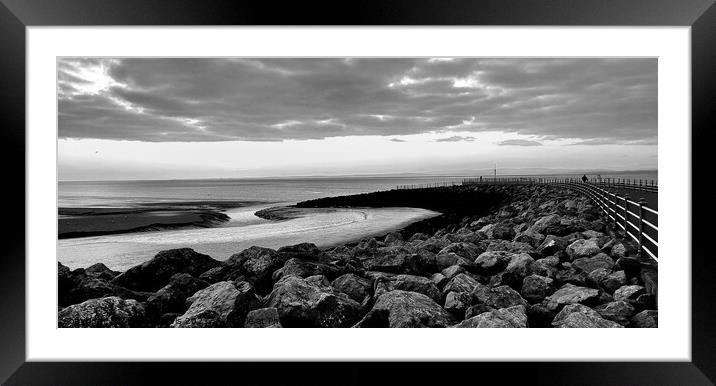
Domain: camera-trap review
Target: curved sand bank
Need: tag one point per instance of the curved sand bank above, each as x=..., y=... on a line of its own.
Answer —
x=319, y=226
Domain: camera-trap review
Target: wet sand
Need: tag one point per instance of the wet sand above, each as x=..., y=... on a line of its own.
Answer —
x=96, y=221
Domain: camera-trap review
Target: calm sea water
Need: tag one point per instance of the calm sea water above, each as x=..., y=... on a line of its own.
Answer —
x=120, y=193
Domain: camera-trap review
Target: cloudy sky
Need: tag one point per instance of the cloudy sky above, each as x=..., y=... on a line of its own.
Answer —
x=247, y=117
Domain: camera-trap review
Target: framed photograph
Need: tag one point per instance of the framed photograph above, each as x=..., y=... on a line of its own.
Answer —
x=423, y=182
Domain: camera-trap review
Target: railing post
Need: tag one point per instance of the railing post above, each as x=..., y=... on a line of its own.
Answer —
x=626, y=215
x=642, y=203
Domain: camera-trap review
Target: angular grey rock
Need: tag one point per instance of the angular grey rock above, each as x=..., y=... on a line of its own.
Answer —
x=519, y=265
x=536, y=288
x=571, y=294
x=629, y=292
x=453, y=270
x=258, y=264
x=580, y=316
x=618, y=311
x=583, y=248
x=511, y=317
x=101, y=271
x=460, y=283
x=263, y=318
x=646, y=319
x=614, y=281
x=356, y=287
x=399, y=309
x=439, y=279
x=155, y=273
x=493, y=261
x=302, y=304
x=545, y=222
x=222, y=304
x=497, y=297
x=109, y=312
x=457, y=302
x=172, y=297
x=589, y=264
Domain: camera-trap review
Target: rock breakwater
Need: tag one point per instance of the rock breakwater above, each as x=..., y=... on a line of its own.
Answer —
x=500, y=256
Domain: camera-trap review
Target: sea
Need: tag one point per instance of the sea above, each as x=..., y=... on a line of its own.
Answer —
x=244, y=229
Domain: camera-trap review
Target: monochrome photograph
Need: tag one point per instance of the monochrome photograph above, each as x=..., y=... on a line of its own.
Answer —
x=357, y=192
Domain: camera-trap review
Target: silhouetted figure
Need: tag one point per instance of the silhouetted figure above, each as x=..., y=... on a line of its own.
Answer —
x=584, y=178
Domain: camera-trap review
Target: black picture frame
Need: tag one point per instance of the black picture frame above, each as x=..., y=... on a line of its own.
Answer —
x=16, y=15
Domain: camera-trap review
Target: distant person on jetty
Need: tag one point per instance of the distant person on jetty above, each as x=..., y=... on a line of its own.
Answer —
x=584, y=178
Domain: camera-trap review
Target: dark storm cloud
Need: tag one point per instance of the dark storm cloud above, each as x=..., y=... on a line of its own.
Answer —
x=521, y=142
x=589, y=100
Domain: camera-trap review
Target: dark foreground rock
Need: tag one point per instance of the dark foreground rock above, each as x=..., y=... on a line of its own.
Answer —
x=405, y=309
x=112, y=312
x=155, y=273
x=301, y=303
x=222, y=304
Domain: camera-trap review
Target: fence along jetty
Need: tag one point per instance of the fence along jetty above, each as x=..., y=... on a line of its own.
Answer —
x=504, y=253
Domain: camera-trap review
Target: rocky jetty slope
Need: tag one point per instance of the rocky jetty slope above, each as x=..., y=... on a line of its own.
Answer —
x=540, y=256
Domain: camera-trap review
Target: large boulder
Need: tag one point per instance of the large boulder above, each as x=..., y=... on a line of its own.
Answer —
x=460, y=283
x=536, y=288
x=519, y=266
x=580, y=316
x=111, y=312
x=571, y=294
x=155, y=273
x=172, y=297
x=497, y=297
x=511, y=317
x=617, y=311
x=646, y=319
x=583, y=248
x=222, y=304
x=412, y=283
x=101, y=271
x=398, y=309
x=258, y=264
x=356, y=287
x=493, y=261
x=629, y=293
x=545, y=223
x=457, y=302
x=304, y=304
x=81, y=286
x=589, y=264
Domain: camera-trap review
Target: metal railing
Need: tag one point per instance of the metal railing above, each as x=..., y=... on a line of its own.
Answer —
x=634, y=218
